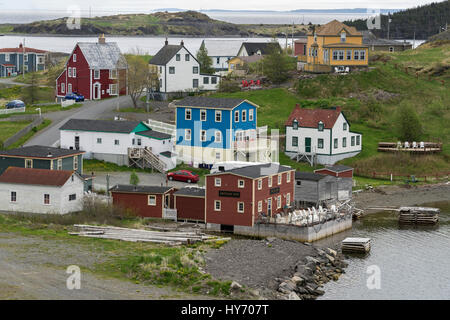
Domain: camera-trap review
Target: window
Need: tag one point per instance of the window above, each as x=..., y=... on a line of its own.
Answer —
x=353, y=141
x=178, y=57
x=391, y=49
x=99, y=140
x=338, y=54
x=46, y=198
x=63, y=87
x=203, y=135
x=320, y=143
x=74, y=72
x=236, y=116
x=203, y=115
x=241, y=183
x=195, y=70
x=343, y=37
x=7, y=57
x=113, y=74
x=29, y=163
x=218, y=136
x=259, y=206
x=270, y=182
x=344, y=142
x=75, y=163
x=26, y=57
x=288, y=199
x=187, y=57
x=280, y=178
x=213, y=80
x=240, y=207
x=217, y=182
x=40, y=59
x=187, y=114
x=341, y=54
x=195, y=83
x=250, y=115
x=152, y=200
x=13, y=196
x=218, y=116
x=295, y=141
x=59, y=164
x=344, y=127
x=116, y=142
x=218, y=60
x=218, y=156
x=278, y=202
x=349, y=54
x=335, y=143
x=72, y=197
x=205, y=80
x=244, y=115
x=362, y=55
x=113, y=89
x=356, y=55
x=259, y=184
x=295, y=125
x=74, y=57
x=187, y=134
x=320, y=126
x=217, y=205
x=69, y=88
x=299, y=183
x=358, y=140
x=139, y=142
x=96, y=74
x=172, y=70
x=288, y=177
x=69, y=73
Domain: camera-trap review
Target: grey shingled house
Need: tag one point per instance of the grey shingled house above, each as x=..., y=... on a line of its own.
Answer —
x=313, y=189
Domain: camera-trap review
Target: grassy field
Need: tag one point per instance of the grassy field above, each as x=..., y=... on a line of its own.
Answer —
x=43, y=94
x=30, y=134
x=8, y=129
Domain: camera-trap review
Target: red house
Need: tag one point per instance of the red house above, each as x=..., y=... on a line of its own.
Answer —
x=337, y=171
x=190, y=204
x=95, y=70
x=240, y=196
x=300, y=47
x=145, y=201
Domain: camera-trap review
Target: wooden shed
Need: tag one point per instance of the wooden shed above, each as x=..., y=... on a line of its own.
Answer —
x=313, y=189
x=344, y=177
x=190, y=204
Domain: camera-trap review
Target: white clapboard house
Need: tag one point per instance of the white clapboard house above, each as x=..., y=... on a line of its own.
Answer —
x=41, y=191
x=220, y=52
x=179, y=72
x=130, y=143
x=320, y=136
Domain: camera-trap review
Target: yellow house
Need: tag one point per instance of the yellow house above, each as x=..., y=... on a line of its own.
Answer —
x=335, y=46
x=237, y=64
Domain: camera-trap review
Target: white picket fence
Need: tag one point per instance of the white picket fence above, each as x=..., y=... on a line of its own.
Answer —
x=66, y=103
x=8, y=111
x=162, y=127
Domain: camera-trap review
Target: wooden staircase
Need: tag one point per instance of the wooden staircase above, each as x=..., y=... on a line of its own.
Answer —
x=144, y=158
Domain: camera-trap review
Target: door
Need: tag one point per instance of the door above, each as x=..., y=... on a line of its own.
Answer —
x=77, y=143
x=269, y=206
x=97, y=91
x=167, y=201
x=307, y=144
x=328, y=190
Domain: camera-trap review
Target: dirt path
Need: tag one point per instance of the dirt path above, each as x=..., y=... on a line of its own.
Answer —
x=34, y=268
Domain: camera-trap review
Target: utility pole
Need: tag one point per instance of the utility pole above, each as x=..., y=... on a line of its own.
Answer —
x=389, y=26
x=23, y=59
x=293, y=26
x=118, y=88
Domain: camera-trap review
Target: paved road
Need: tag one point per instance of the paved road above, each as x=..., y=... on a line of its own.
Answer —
x=90, y=110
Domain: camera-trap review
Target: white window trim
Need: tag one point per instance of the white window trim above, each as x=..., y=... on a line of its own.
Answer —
x=239, y=184
x=151, y=196
x=99, y=140
x=280, y=179
x=63, y=87
x=117, y=144
x=186, y=113
x=244, y=115
x=250, y=115
x=26, y=160
x=95, y=71
x=202, y=135
x=10, y=197
x=69, y=72
x=243, y=207
x=218, y=134
x=7, y=57
x=279, y=202
x=75, y=163
x=260, y=206
x=236, y=113
x=49, y=200
x=215, y=205
x=201, y=112
x=269, y=182
x=111, y=73
x=288, y=199
x=74, y=57
x=186, y=134
x=260, y=182
x=59, y=164
x=218, y=112
x=288, y=177
x=111, y=91
x=74, y=72
x=217, y=182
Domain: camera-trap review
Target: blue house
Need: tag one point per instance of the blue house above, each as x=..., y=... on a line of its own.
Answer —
x=14, y=60
x=211, y=130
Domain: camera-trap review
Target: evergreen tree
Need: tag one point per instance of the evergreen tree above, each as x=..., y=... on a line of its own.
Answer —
x=134, y=179
x=409, y=127
x=204, y=60
x=276, y=65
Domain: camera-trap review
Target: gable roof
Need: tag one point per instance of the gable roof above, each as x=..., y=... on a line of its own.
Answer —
x=336, y=168
x=140, y=189
x=100, y=125
x=165, y=54
x=309, y=176
x=191, y=192
x=370, y=39
x=333, y=28
x=154, y=134
x=102, y=55
x=20, y=50
x=222, y=48
x=42, y=177
x=257, y=171
x=40, y=152
x=208, y=102
x=253, y=47
x=310, y=117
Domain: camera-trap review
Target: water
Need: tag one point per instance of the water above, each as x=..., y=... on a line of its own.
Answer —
x=414, y=261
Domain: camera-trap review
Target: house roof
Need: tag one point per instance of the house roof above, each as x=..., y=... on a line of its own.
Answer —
x=333, y=28
x=250, y=59
x=20, y=49
x=42, y=177
x=39, y=152
x=309, y=176
x=8, y=65
x=154, y=134
x=370, y=39
x=345, y=45
x=100, y=125
x=165, y=54
x=257, y=171
x=103, y=55
x=191, y=192
x=222, y=48
x=207, y=102
x=336, y=168
x=253, y=47
x=310, y=117
x=140, y=189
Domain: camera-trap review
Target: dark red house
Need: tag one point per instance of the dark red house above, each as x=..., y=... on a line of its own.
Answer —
x=300, y=47
x=97, y=70
x=190, y=204
x=337, y=171
x=240, y=196
x=145, y=201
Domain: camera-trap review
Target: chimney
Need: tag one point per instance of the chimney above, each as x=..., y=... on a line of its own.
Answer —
x=297, y=106
x=101, y=39
x=21, y=46
x=167, y=42
x=338, y=109
x=182, y=43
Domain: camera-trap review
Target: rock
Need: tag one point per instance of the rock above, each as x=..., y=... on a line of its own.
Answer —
x=301, y=290
x=254, y=293
x=297, y=280
x=235, y=286
x=311, y=259
x=293, y=296
x=311, y=287
x=287, y=286
x=271, y=239
x=303, y=270
x=311, y=265
x=330, y=258
x=321, y=252
x=336, y=276
x=319, y=292
x=332, y=252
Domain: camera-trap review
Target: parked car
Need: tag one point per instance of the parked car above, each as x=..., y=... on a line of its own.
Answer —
x=15, y=104
x=74, y=96
x=183, y=175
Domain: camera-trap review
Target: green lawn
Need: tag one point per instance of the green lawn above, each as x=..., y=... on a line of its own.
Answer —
x=8, y=129
x=30, y=134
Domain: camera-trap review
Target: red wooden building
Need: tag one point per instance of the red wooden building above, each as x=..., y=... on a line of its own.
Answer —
x=240, y=196
x=97, y=70
x=190, y=204
x=337, y=171
x=145, y=201
x=300, y=47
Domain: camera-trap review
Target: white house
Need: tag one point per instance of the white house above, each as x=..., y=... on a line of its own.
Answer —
x=120, y=142
x=322, y=133
x=179, y=71
x=41, y=191
x=220, y=52
x=256, y=48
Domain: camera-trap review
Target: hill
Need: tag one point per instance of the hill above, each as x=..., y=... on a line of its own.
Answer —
x=425, y=21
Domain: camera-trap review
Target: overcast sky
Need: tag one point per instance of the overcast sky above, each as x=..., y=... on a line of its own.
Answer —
x=148, y=5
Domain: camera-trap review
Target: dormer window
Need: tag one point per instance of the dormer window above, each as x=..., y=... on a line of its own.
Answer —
x=320, y=126
x=343, y=36
x=295, y=125
x=345, y=126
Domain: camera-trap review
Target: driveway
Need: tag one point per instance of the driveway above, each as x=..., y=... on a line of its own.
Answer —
x=90, y=110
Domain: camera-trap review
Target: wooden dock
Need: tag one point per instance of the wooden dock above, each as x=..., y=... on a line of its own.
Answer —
x=356, y=245
x=413, y=147
x=418, y=215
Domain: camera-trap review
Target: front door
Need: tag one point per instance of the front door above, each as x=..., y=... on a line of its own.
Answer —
x=77, y=143
x=269, y=206
x=307, y=144
x=97, y=91
x=167, y=201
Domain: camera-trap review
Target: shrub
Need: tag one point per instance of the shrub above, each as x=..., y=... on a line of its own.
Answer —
x=407, y=124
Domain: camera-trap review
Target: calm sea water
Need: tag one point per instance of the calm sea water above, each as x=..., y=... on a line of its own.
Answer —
x=414, y=261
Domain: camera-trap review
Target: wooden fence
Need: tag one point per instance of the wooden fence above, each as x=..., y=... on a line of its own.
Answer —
x=392, y=176
x=22, y=132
